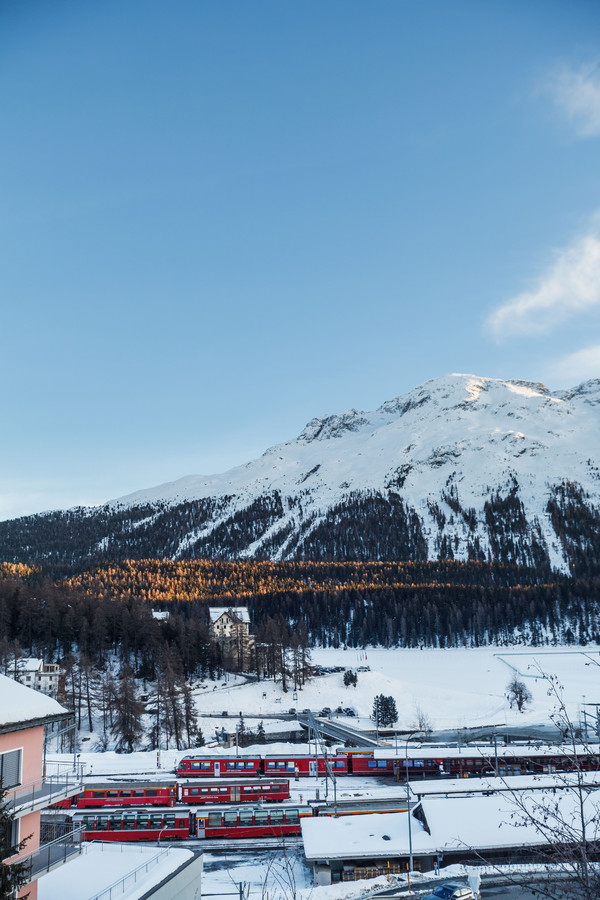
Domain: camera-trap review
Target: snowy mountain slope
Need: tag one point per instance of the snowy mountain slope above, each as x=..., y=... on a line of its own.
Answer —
x=462, y=466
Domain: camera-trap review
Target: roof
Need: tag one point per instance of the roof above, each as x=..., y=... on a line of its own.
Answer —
x=240, y=612
x=28, y=664
x=467, y=823
x=20, y=704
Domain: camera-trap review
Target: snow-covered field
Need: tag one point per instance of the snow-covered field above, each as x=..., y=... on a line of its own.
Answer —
x=455, y=688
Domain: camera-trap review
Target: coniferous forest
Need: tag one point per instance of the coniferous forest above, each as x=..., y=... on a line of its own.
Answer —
x=108, y=610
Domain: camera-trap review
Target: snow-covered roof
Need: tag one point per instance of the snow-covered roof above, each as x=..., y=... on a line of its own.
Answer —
x=19, y=704
x=455, y=823
x=484, y=751
x=29, y=664
x=240, y=612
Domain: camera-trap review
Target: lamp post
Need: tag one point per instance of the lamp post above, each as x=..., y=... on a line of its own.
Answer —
x=410, y=847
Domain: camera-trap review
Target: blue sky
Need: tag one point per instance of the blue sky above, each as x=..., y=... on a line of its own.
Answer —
x=219, y=220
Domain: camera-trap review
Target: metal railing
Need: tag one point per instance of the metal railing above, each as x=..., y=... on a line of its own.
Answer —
x=118, y=887
x=45, y=790
x=53, y=853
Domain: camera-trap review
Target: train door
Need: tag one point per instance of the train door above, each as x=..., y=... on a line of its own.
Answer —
x=235, y=794
x=217, y=768
x=200, y=827
x=312, y=767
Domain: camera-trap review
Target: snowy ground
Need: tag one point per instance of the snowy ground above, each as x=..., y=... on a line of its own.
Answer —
x=456, y=688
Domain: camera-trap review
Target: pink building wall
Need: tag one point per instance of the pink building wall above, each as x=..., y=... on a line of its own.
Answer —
x=31, y=741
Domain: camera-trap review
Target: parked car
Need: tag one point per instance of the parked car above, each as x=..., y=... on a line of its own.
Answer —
x=325, y=711
x=349, y=711
x=451, y=892
x=292, y=711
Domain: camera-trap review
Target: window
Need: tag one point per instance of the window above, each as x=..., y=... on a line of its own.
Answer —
x=137, y=793
x=98, y=795
x=125, y=793
x=205, y=765
x=10, y=768
x=292, y=817
x=246, y=816
x=150, y=793
x=156, y=821
x=230, y=819
x=223, y=790
x=230, y=765
x=113, y=794
x=261, y=818
x=215, y=820
x=115, y=823
x=128, y=823
x=193, y=792
x=277, y=817
x=170, y=821
x=270, y=764
x=195, y=765
x=371, y=763
x=240, y=765
x=101, y=823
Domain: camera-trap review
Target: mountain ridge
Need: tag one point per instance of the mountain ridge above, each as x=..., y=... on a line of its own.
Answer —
x=462, y=467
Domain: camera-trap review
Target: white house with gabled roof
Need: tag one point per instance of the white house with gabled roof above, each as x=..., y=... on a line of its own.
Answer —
x=230, y=627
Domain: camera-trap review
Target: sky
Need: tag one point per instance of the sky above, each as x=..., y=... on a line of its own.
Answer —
x=221, y=219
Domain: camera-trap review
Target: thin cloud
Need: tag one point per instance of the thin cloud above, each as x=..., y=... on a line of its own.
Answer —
x=579, y=366
x=576, y=92
x=570, y=286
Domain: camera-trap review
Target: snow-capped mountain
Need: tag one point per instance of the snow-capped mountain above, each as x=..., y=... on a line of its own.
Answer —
x=461, y=467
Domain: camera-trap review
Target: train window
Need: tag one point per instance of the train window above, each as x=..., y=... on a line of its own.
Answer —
x=246, y=817
x=291, y=765
x=240, y=765
x=271, y=787
x=195, y=765
x=87, y=822
x=205, y=765
x=128, y=823
x=193, y=792
x=339, y=764
x=382, y=763
x=215, y=820
x=101, y=823
x=125, y=793
x=223, y=790
x=417, y=762
x=156, y=821
x=261, y=818
x=203, y=790
x=214, y=790
x=270, y=764
x=115, y=823
x=372, y=764
x=98, y=795
x=151, y=793
x=277, y=817
x=137, y=793
x=230, y=819
x=112, y=793
x=170, y=821
x=292, y=816
x=280, y=764
x=230, y=765
x=250, y=765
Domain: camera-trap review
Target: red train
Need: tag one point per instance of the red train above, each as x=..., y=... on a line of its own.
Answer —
x=225, y=767
x=420, y=762
x=162, y=793
x=150, y=825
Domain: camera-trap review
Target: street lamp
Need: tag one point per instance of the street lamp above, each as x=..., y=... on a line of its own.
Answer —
x=410, y=847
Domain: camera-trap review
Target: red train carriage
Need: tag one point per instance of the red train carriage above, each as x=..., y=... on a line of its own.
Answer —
x=245, y=823
x=146, y=794
x=206, y=767
x=303, y=766
x=265, y=791
x=134, y=825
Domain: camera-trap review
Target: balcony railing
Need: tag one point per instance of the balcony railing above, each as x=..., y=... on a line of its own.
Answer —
x=53, y=854
x=43, y=792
